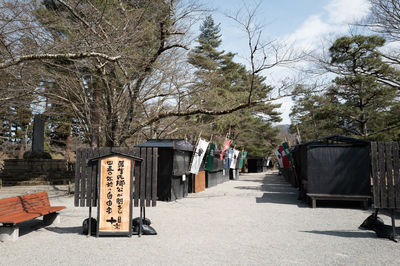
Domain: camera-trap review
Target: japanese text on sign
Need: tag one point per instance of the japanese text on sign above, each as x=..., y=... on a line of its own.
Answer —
x=115, y=182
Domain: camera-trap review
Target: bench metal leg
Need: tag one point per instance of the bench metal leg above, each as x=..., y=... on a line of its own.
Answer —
x=313, y=203
x=365, y=204
x=51, y=218
x=9, y=233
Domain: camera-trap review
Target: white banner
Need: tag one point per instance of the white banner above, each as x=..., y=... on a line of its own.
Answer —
x=234, y=159
x=198, y=156
x=279, y=158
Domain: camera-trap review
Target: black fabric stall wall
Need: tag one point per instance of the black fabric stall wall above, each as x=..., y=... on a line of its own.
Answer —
x=165, y=164
x=338, y=170
x=179, y=187
x=215, y=176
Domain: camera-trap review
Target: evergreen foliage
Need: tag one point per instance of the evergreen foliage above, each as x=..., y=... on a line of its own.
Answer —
x=222, y=82
x=357, y=103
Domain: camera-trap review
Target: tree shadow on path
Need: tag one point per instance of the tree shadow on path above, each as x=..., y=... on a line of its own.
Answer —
x=276, y=190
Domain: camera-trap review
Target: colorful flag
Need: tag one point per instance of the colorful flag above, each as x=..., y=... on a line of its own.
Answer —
x=242, y=159
x=227, y=143
x=285, y=160
x=286, y=150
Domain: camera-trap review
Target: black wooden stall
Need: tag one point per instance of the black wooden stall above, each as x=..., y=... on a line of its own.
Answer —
x=216, y=176
x=173, y=167
x=334, y=168
x=255, y=164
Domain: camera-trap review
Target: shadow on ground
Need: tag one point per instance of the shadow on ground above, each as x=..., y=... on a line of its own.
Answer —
x=66, y=230
x=37, y=224
x=276, y=190
x=346, y=234
x=30, y=226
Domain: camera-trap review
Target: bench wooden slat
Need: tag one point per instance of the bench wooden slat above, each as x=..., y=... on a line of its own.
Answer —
x=46, y=210
x=18, y=218
x=26, y=207
x=338, y=196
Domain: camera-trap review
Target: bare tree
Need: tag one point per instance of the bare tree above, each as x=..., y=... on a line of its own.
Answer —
x=119, y=66
x=385, y=18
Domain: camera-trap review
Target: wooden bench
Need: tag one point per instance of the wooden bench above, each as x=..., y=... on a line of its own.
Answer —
x=314, y=197
x=18, y=209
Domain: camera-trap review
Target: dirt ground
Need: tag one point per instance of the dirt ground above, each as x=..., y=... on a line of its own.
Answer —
x=256, y=220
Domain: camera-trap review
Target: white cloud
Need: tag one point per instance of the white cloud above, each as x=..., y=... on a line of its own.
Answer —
x=309, y=32
x=333, y=20
x=314, y=33
x=347, y=11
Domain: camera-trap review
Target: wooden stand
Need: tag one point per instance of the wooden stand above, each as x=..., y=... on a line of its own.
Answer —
x=314, y=197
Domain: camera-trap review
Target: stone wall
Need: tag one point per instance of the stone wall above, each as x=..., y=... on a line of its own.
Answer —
x=36, y=172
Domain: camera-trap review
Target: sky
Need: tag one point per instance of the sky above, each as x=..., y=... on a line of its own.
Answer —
x=307, y=24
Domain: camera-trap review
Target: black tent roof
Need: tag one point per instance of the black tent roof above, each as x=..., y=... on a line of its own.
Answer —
x=336, y=139
x=176, y=144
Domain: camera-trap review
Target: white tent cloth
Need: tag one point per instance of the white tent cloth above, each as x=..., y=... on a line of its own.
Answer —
x=198, y=156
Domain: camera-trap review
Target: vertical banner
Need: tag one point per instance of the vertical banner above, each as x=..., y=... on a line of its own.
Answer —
x=234, y=159
x=228, y=158
x=285, y=160
x=227, y=143
x=279, y=158
x=115, y=190
x=210, y=158
x=242, y=159
x=286, y=150
x=198, y=155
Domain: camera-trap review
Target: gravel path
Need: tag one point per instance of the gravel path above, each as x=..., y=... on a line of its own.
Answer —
x=256, y=220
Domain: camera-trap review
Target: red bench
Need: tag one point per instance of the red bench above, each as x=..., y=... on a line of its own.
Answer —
x=23, y=208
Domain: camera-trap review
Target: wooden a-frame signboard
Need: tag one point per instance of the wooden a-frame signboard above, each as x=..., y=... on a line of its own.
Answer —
x=115, y=198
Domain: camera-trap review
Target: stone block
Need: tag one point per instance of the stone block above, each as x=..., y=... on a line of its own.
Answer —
x=9, y=233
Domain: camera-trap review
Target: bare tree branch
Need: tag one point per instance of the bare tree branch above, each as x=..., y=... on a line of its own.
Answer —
x=32, y=57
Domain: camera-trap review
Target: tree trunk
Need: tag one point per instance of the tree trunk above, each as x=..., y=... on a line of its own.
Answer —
x=67, y=148
x=95, y=109
x=21, y=149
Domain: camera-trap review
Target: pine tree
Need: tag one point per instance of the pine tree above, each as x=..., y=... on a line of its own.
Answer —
x=364, y=103
x=357, y=103
x=221, y=82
